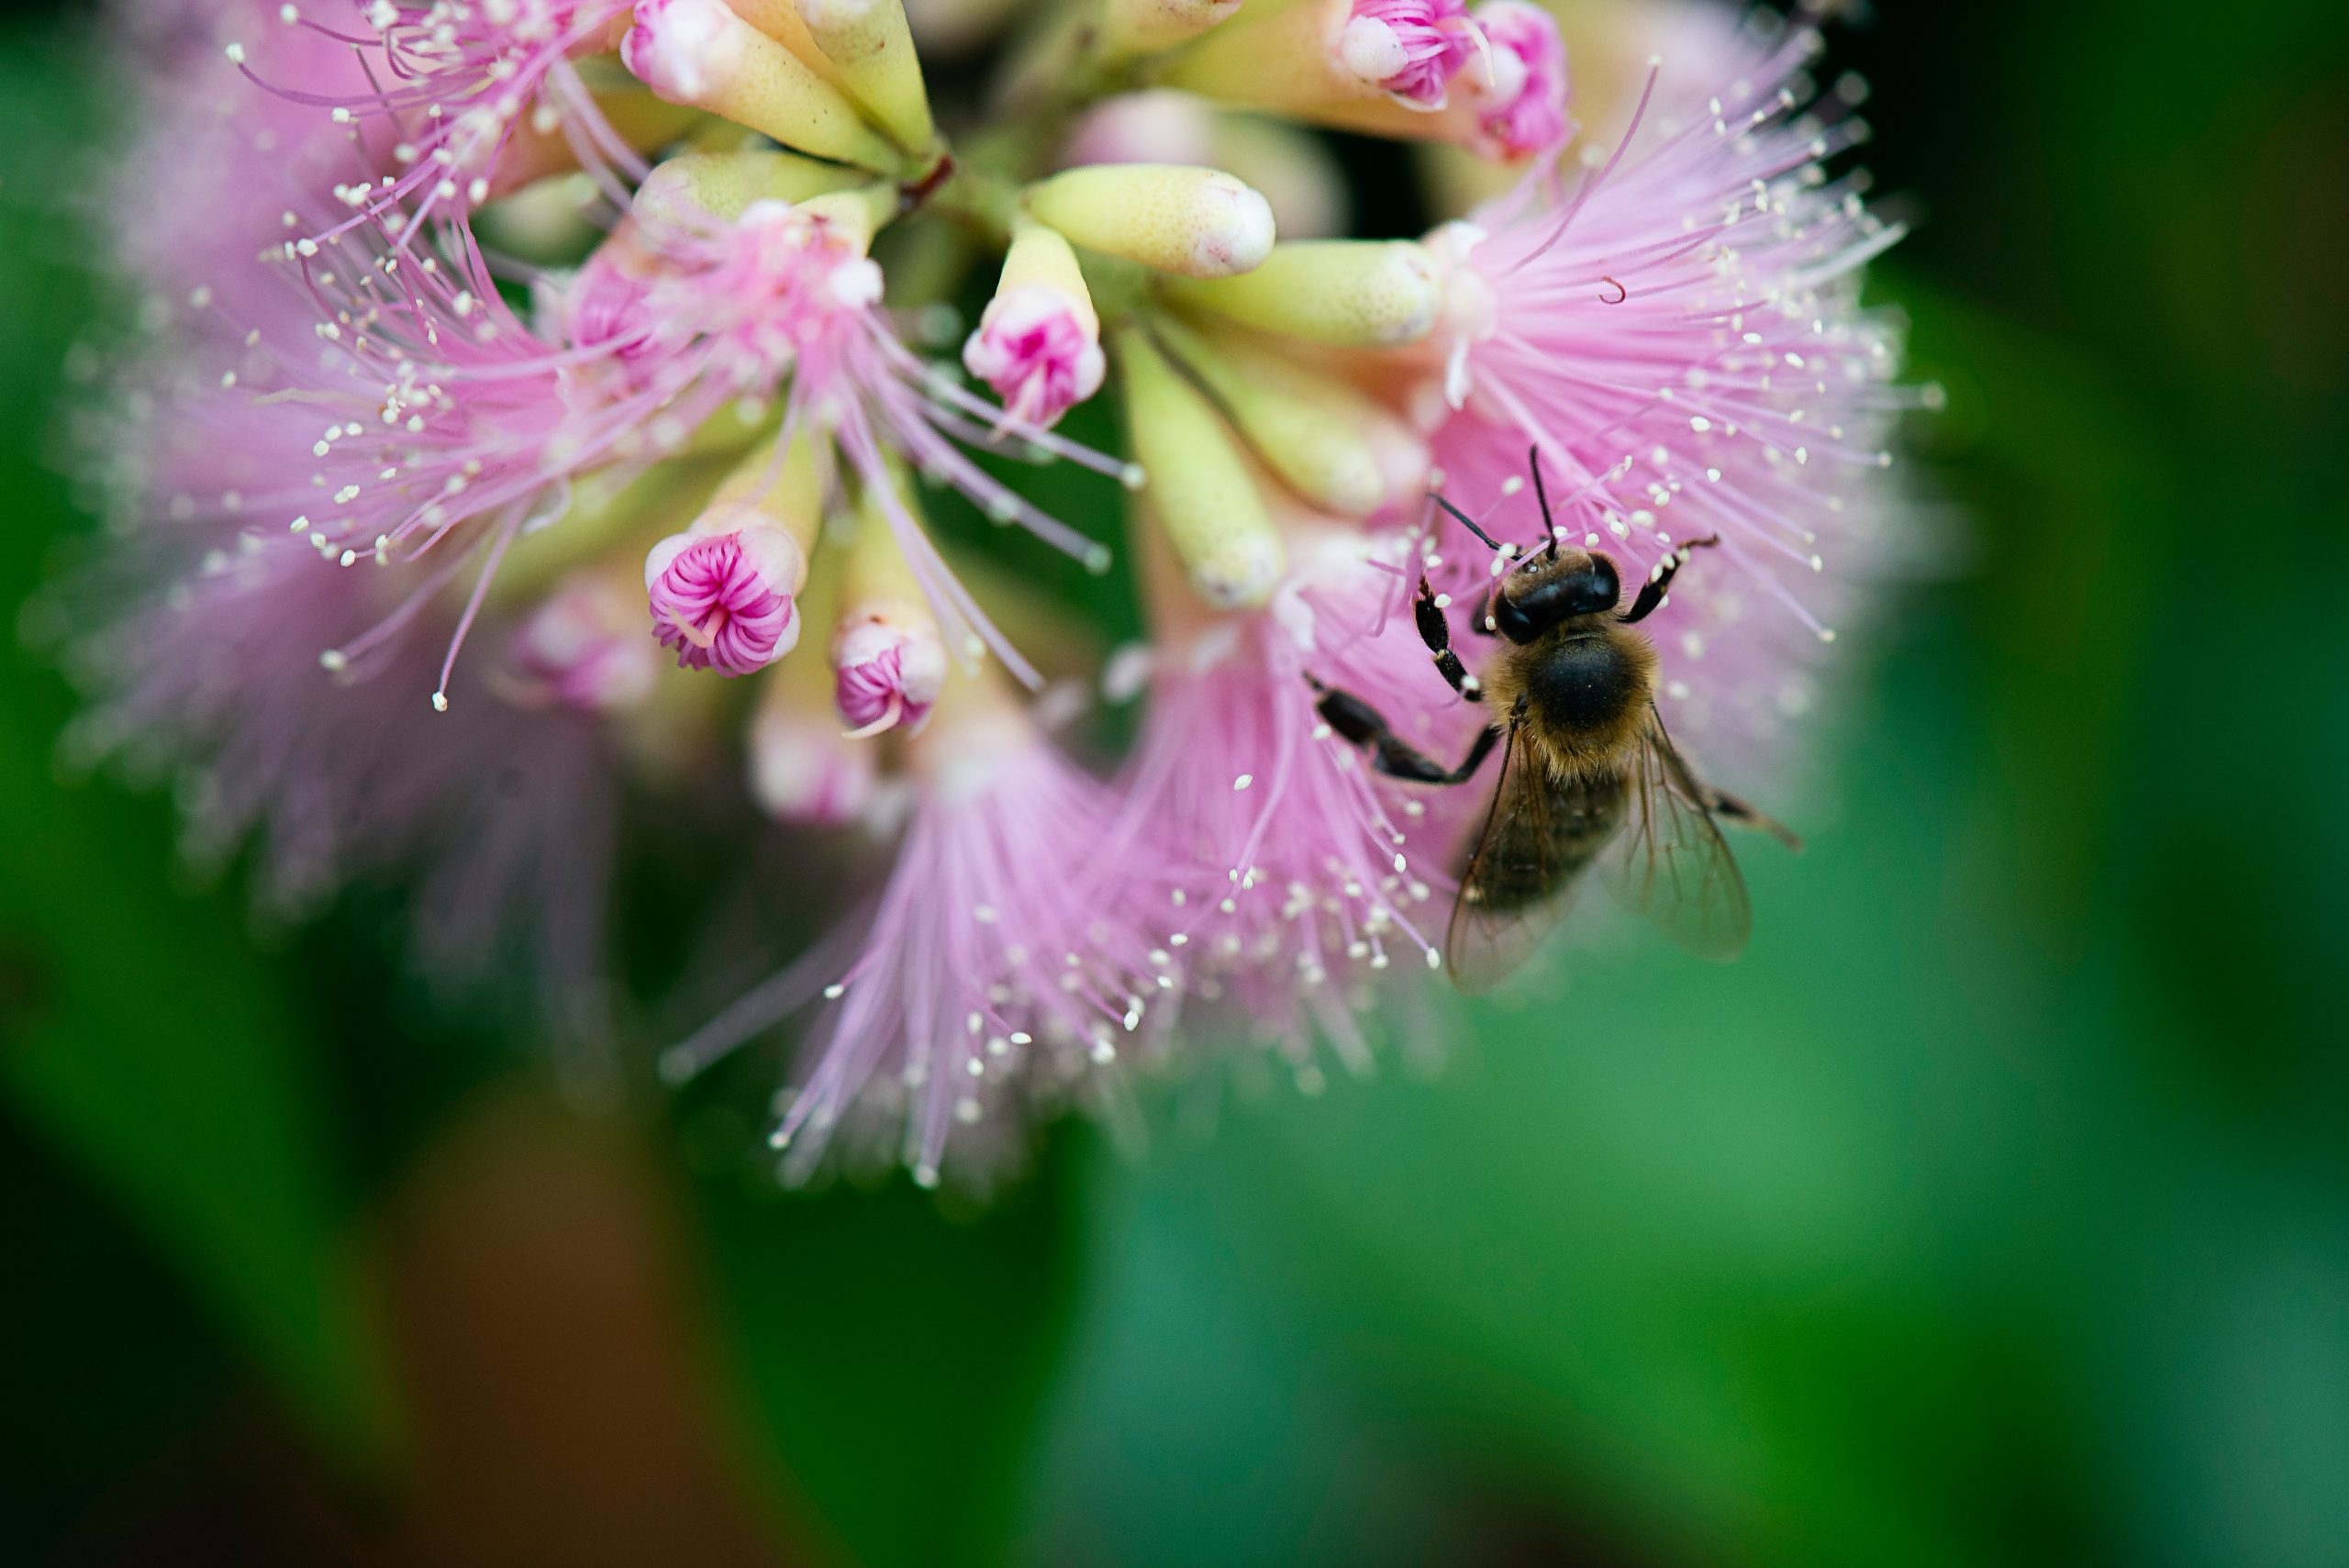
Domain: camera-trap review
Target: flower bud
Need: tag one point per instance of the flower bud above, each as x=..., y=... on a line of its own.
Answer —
x=684, y=192
x=1039, y=342
x=722, y=592
x=699, y=52
x=1517, y=84
x=888, y=660
x=1349, y=293
x=582, y=649
x=1197, y=222
x=1199, y=484
x=1318, y=434
x=1134, y=28
x=869, y=44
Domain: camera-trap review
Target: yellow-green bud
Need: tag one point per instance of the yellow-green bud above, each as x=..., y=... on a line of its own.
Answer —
x=869, y=44
x=1133, y=27
x=1316, y=432
x=700, y=53
x=724, y=184
x=1347, y=294
x=1196, y=223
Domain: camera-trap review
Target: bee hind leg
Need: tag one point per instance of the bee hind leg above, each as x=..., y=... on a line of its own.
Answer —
x=1728, y=807
x=1363, y=725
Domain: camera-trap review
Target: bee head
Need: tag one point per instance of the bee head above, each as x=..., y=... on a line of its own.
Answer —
x=1552, y=589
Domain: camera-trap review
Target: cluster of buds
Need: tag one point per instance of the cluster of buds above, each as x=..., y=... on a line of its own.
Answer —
x=582, y=501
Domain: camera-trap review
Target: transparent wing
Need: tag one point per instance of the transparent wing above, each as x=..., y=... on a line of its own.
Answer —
x=1670, y=862
x=1512, y=891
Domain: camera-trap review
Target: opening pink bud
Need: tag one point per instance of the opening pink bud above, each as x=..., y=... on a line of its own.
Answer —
x=583, y=650
x=676, y=45
x=1411, y=49
x=1519, y=80
x=889, y=675
x=1040, y=352
x=724, y=600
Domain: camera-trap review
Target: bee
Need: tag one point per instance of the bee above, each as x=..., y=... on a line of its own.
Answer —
x=1587, y=775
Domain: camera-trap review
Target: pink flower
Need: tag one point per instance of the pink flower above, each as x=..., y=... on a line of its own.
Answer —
x=1519, y=80
x=1409, y=49
x=451, y=91
x=582, y=648
x=1037, y=353
x=1299, y=875
x=723, y=600
x=1682, y=341
x=996, y=972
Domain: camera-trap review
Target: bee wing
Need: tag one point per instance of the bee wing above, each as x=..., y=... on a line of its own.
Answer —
x=1510, y=894
x=1670, y=861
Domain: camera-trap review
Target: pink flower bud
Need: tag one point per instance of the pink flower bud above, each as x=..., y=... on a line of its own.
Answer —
x=888, y=674
x=1039, y=351
x=1519, y=80
x=724, y=600
x=1409, y=49
x=583, y=650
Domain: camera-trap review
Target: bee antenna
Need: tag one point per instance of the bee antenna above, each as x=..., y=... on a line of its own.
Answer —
x=1541, y=493
x=1464, y=520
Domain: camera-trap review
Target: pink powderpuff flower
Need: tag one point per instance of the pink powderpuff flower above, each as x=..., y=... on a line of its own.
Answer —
x=582, y=649
x=998, y=970
x=1300, y=874
x=1517, y=81
x=507, y=819
x=449, y=91
x=723, y=600
x=1411, y=49
x=1037, y=354
x=1682, y=339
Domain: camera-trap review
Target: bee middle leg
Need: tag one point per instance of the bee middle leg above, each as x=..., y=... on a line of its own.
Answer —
x=1389, y=753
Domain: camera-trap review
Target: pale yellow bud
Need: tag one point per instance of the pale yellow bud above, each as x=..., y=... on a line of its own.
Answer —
x=1199, y=483
x=1197, y=222
x=700, y=53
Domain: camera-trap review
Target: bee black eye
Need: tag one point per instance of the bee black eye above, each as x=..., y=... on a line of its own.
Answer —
x=1528, y=607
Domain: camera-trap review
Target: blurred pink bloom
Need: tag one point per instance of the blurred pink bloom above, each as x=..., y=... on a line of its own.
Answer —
x=1519, y=80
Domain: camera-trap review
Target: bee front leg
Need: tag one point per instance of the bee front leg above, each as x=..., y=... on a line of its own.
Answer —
x=1653, y=590
x=1359, y=722
x=1435, y=630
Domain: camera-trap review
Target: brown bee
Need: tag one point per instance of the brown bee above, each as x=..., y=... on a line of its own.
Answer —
x=1587, y=775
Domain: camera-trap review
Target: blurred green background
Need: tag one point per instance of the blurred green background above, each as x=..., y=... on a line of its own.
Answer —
x=1995, y=1209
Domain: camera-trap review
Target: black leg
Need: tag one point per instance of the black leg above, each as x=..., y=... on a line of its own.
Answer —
x=1728, y=807
x=1435, y=630
x=1652, y=592
x=1365, y=726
